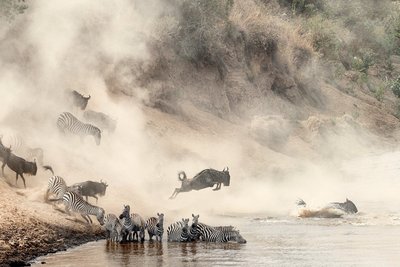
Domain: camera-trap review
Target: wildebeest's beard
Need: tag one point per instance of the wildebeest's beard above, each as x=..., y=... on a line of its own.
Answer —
x=227, y=179
x=31, y=168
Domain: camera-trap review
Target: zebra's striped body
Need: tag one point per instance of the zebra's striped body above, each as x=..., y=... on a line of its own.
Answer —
x=76, y=203
x=57, y=186
x=179, y=231
x=113, y=227
x=213, y=234
x=68, y=122
x=155, y=227
x=134, y=225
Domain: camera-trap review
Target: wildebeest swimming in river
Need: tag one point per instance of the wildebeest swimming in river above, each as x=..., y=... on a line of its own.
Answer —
x=332, y=210
x=204, y=179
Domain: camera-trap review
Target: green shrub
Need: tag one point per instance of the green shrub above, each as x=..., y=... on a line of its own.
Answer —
x=395, y=87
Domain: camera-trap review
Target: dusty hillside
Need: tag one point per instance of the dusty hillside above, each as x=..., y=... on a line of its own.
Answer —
x=283, y=92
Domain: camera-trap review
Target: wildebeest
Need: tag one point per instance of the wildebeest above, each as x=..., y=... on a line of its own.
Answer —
x=332, y=210
x=79, y=100
x=348, y=206
x=91, y=189
x=20, y=166
x=5, y=153
x=101, y=120
x=21, y=148
x=204, y=179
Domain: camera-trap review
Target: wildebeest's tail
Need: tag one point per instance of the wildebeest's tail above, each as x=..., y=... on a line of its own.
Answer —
x=300, y=202
x=182, y=178
x=48, y=168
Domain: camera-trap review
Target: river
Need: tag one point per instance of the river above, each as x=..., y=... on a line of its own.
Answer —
x=270, y=242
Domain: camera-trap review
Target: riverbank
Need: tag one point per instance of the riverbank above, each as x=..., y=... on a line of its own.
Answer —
x=30, y=228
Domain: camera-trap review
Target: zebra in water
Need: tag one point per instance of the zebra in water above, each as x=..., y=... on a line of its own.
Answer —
x=155, y=226
x=73, y=201
x=58, y=186
x=68, y=122
x=179, y=231
x=219, y=234
x=133, y=223
x=113, y=227
x=193, y=232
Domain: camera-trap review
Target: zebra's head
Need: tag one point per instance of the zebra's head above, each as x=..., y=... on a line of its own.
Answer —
x=195, y=220
x=125, y=212
x=160, y=220
x=227, y=177
x=100, y=216
x=185, y=225
x=236, y=236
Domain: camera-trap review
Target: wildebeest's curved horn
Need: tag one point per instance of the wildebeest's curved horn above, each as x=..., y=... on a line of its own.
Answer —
x=88, y=97
x=227, y=168
x=223, y=169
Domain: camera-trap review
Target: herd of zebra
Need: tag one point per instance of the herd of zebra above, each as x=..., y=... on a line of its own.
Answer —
x=126, y=227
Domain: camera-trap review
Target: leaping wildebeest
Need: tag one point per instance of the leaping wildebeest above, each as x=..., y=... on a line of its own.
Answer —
x=204, y=179
x=20, y=166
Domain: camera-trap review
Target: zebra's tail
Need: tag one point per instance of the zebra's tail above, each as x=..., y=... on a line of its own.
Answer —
x=48, y=168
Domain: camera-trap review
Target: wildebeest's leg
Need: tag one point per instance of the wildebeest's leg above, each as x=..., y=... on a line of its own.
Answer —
x=23, y=179
x=16, y=178
x=2, y=168
x=96, y=198
x=175, y=193
x=218, y=187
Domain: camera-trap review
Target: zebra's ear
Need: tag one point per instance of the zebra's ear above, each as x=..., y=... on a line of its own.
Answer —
x=158, y=214
x=192, y=215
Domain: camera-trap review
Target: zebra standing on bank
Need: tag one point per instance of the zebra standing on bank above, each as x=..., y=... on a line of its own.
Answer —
x=134, y=225
x=179, y=231
x=68, y=122
x=57, y=186
x=155, y=226
x=223, y=234
x=73, y=201
x=113, y=227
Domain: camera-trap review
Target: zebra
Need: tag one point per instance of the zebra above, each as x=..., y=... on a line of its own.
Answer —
x=73, y=201
x=217, y=234
x=133, y=223
x=58, y=186
x=193, y=232
x=113, y=227
x=68, y=122
x=179, y=231
x=155, y=226
x=22, y=149
x=79, y=100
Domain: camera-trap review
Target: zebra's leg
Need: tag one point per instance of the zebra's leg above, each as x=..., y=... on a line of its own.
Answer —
x=142, y=235
x=96, y=198
x=86, y=198
x=84, y=217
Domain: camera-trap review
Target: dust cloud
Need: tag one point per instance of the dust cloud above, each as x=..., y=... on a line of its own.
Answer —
x=56, y=46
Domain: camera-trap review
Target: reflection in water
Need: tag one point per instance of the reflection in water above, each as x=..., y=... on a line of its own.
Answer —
x=286, y=242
